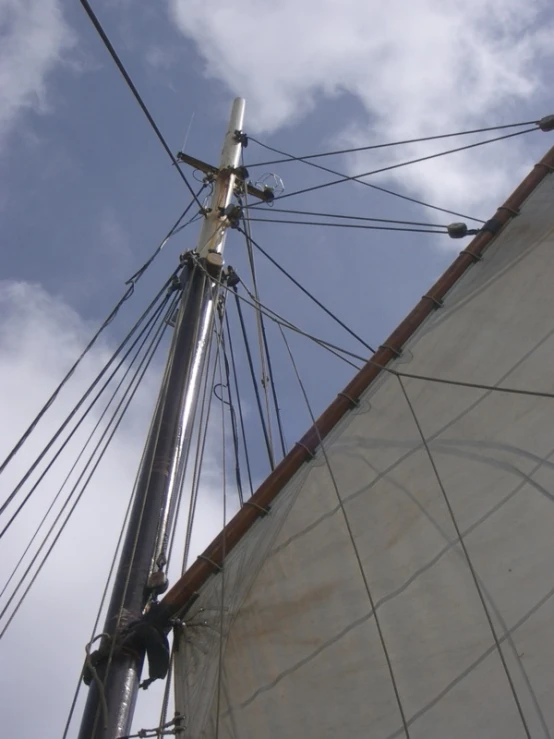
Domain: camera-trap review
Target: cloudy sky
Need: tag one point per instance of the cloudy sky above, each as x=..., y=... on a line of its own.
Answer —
x=86, y=193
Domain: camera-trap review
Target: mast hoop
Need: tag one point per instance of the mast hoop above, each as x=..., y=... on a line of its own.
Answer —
x=211, y=562
x=355, y=403
x=437, y=302
x=397, y=352
x=306, y=449
x=264, y=510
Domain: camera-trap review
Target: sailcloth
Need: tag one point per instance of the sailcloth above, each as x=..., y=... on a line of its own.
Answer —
x=354, y=609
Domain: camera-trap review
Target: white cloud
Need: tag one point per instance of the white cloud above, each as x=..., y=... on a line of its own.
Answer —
x=34, y=38
x=42, y=652
x=433, y=66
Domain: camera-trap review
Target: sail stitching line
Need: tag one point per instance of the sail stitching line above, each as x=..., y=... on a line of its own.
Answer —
x=353, y=542
x=468, y=558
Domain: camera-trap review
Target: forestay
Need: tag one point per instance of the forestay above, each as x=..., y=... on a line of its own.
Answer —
x=300, y=653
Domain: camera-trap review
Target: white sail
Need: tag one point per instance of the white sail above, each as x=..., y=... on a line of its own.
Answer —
x=285, y=642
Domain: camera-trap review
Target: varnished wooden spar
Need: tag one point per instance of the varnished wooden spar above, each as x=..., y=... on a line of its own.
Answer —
x=183, y=592
x=116, y=666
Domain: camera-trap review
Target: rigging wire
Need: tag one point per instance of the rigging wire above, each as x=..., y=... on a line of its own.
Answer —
x=351, y=536
x=390, y=167
x=259, y=325
x=351, y=225
x=232, y=413
x=469, y=561
x=175, y=229
x=279, y=320
x=291, y=158
x=247, y=232
x=107, y=43
x=358, y=218
x=312, y=297
x=239, y=404
x=115, y=421
x=201, y=447
x=373, y=186
x=78, y=405
x=253, y=373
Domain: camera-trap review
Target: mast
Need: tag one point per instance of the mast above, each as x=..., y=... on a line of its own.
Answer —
x=114, y=670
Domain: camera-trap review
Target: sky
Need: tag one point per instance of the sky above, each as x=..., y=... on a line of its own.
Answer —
x=87, y=192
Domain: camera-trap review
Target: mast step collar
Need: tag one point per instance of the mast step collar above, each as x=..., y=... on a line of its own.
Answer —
x=214, y=264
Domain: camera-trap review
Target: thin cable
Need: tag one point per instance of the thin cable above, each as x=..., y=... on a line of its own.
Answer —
x=232, y=413
x=345, y=178
x=261, y=330
x=381, y=146
x=239, y=405
x=357, y=218
x=279, y=320
x=466, y=554
x=107, y=43
x=472, y=385
x=122, y=406
x=351, y=225
x=377, y=187
x=176, y=228
x=201, y=448
x=312, y=297
x=262, y=336
x=352, y=539
x=253, y=375
x=45, y=450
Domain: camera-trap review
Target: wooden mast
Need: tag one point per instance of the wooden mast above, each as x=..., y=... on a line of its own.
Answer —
x=115, y=669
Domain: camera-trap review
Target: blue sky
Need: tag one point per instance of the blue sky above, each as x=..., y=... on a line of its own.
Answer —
x=86, y=193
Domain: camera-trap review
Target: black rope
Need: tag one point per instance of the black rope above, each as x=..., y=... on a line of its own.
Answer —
x=239, y=404
x=122, y=406
x=82, y=400
x=372, y=186
x=234, y=429
x=249, y=243
x=351, y=225
x=382, y=146
x=358, y=218
x=312, y=297
x=346, y=178
x=253, y=376
x=107, y=43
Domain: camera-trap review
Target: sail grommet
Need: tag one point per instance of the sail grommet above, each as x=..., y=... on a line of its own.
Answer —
x=264, y=510
x=397, y=352
x=216, y=567
x=306, y=449
x=353, y=402
x=437, y=302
